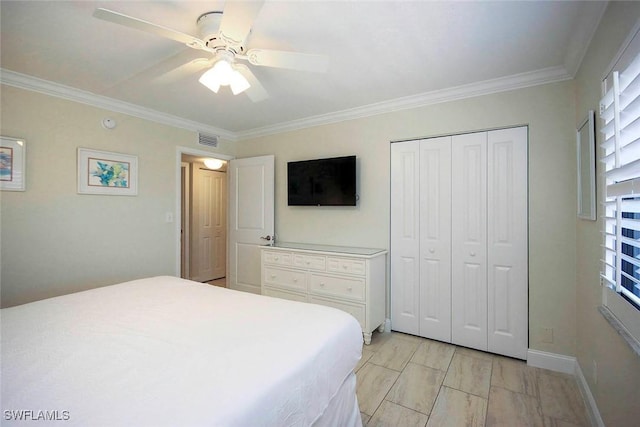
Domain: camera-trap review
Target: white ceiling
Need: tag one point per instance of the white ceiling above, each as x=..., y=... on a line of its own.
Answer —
x=384, y=55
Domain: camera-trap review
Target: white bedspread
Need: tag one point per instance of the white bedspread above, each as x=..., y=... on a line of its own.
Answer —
x=169, y=352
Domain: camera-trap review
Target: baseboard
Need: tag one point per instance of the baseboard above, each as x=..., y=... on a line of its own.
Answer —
x=551, y=361
x=592, y=408
x=568, y=365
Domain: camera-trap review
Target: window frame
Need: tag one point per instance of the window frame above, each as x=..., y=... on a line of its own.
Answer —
x=617, y=308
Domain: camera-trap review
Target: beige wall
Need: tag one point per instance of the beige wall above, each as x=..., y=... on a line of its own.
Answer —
x=548, y=110
x=618, y=368
x=55, y=241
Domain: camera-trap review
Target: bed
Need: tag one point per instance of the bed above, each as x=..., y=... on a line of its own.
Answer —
x=165, y=351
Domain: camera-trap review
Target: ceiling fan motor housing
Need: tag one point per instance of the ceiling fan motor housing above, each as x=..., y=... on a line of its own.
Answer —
x=209, y=31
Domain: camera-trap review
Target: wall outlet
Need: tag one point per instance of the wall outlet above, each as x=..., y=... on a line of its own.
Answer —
x=547, y=335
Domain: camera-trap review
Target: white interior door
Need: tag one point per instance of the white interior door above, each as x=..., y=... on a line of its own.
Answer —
x=251, y=218
x=469, y=240
x=435, y=238
x=507, y=239
x=405, y=237
x=209, y=231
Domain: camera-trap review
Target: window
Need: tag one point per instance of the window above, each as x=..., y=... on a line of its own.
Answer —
x=620, y=110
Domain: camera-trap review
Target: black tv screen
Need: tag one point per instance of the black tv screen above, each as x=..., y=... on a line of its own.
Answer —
x=322, y=182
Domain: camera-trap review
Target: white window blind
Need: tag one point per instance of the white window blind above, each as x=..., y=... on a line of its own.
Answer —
x=620, y=110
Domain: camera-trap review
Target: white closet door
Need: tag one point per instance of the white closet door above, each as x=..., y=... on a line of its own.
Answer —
x=507, y=242
x=405, y=236
x=469, y=240
x=435, y=238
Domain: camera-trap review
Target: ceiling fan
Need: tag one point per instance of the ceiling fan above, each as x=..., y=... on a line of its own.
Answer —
x=223, y=35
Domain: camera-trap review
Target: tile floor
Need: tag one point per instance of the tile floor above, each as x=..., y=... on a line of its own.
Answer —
x=409, y=381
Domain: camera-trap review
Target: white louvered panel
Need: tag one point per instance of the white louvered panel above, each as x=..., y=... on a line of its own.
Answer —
x=631, y=150
x=624, y=172
x=607, y=113
x=630, y=74
x=625, y=188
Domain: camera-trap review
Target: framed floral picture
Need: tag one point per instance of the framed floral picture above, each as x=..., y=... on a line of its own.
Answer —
x=12, y=164
x=106, y=173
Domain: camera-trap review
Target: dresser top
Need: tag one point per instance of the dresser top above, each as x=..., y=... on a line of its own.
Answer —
x=368, y=252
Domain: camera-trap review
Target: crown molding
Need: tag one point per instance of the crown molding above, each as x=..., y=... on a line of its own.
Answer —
x=23, y=81
x=486, y=87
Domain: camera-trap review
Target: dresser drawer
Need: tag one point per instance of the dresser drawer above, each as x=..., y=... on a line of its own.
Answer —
x=340, y=287
x=278, y=258
x=346, y=266
x=277, y=293
x=357, y=311
x=280, y=277
x=310, y=262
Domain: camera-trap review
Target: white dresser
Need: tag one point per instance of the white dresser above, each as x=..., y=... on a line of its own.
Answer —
x=350, y=279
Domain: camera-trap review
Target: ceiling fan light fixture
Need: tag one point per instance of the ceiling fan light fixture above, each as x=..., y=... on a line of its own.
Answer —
x=224, y=74
x=210, y=80
x=238, y=83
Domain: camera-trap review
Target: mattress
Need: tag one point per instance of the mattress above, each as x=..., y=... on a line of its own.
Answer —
x=165, y=351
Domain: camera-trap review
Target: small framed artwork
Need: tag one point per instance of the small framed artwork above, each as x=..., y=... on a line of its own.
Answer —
x=585, y=143
x=12, y=164
x=106, y=173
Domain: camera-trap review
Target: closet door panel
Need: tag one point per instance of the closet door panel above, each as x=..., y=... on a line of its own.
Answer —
x=405, y=237
x=435, y=238
x=469, y=240
x=507, y=245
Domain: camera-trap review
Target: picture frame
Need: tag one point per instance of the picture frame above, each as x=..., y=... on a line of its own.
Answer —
x=585, y=149
x=107, y=173
x=12, y=164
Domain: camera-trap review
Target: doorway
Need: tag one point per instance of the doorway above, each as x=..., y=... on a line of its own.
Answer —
x=203, y=218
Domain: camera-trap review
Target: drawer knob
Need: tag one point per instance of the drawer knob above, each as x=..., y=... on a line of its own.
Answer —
x=295, y=280
x=345, y=267
x=273, y=276
x=321, y=284
x=276, y=258
x=349, y=288
x=472, y=253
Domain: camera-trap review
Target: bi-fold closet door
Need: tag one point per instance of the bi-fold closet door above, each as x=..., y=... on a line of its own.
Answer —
x=459, y=239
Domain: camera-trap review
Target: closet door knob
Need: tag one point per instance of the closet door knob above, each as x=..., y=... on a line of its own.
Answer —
x=431, y=250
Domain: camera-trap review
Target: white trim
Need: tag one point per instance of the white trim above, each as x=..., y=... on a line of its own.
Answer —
x=178, y=211
x=23, y=81
x=551, y=361
x=487, y=87
x=387, y=325
x=587, y=396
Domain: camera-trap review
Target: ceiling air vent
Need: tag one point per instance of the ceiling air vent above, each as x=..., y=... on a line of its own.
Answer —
x=208, y=140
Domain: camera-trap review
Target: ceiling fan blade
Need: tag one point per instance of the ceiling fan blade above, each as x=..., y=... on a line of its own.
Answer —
x=291, y=60
x=256, y=92
x=237, y=20
x=183, y=70
x=139, y=24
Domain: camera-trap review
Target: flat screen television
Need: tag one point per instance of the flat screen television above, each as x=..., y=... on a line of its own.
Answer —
x=322, y=182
